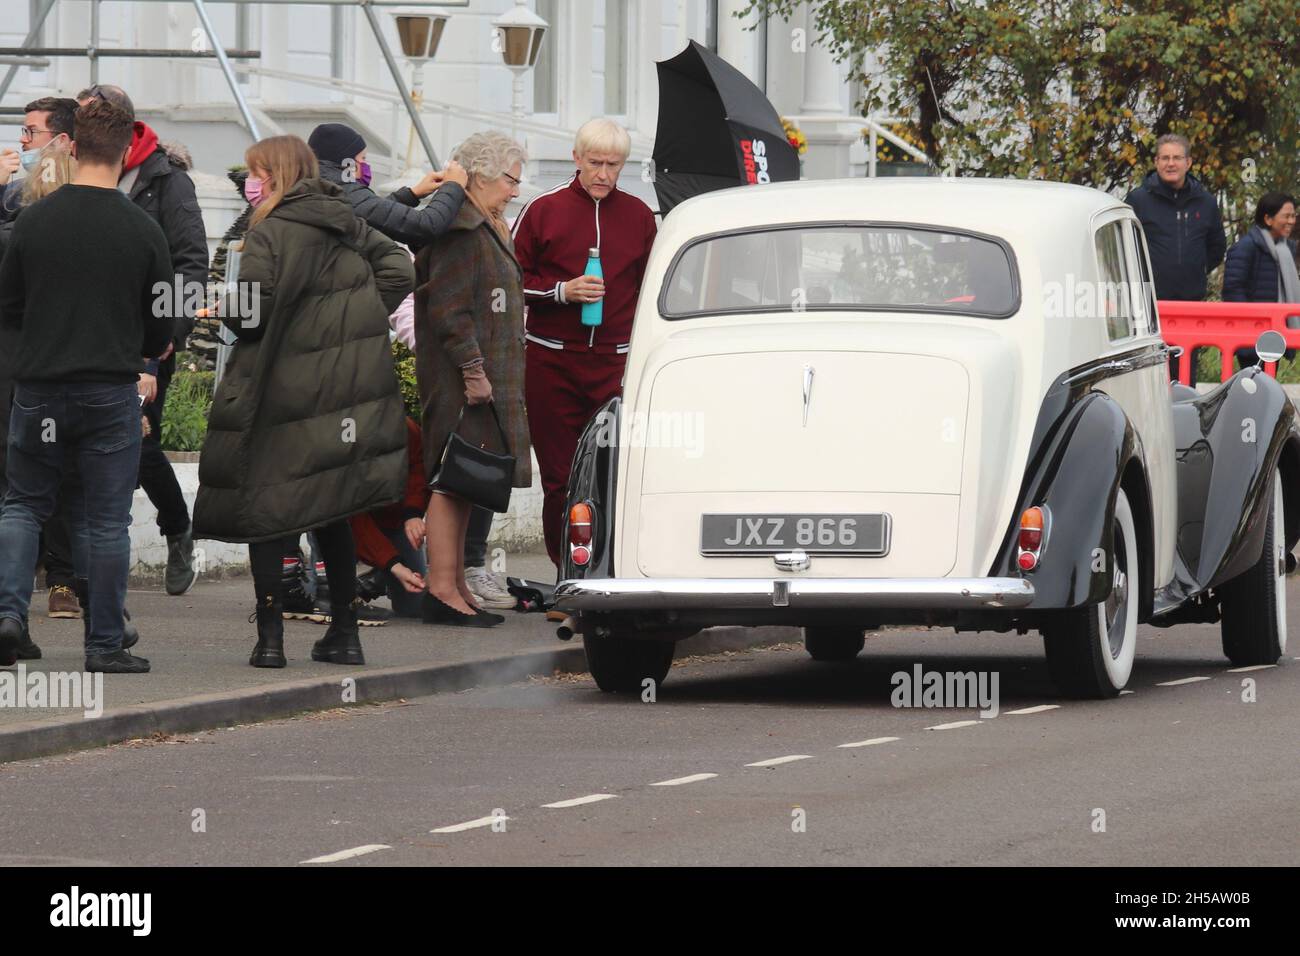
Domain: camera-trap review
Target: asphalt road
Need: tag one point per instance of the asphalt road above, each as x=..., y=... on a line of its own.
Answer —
x=1186, y=773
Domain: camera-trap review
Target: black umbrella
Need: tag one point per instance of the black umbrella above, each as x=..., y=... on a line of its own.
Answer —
x=716, y=129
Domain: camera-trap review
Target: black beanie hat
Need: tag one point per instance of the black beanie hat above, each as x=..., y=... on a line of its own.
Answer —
x=334, y=142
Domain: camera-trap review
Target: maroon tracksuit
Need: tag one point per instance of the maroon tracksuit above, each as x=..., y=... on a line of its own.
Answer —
x=569, y=372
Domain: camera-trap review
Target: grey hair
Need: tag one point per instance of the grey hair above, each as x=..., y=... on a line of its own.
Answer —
x=1175, y=140
x=489, y=155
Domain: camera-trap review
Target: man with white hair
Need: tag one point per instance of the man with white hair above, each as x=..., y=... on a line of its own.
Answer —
x=573, y=369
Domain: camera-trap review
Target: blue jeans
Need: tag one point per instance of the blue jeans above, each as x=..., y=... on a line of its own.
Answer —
x=89, y=432
x=405, y=604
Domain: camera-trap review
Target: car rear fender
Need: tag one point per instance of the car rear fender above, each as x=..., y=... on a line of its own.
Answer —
x=1077, y=477
x=592, y=479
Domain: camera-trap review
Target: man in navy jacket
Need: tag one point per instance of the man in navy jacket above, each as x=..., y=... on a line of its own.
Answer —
x=1182, y=223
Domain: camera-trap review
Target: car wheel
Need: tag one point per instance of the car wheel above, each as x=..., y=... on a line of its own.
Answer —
x=620, y=665
x=833, y=643
x=1090, y=649
x=1253, y=604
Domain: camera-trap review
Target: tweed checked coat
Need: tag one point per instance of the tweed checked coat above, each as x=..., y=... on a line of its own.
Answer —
x=469, y=304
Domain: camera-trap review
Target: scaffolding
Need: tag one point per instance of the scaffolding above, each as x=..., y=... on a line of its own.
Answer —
x=28, y=54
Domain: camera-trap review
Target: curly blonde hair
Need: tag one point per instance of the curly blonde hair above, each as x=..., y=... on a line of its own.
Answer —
x=487, y=156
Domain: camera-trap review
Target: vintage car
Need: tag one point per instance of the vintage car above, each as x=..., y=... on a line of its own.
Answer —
x=937, y=402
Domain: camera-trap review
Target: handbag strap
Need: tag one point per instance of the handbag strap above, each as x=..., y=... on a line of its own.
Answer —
x=505, y=439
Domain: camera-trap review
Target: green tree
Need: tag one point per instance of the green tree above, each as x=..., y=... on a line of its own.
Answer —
x=1079, y=90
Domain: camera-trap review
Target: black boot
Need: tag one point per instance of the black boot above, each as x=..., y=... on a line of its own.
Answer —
x=269, y=649
x=28, y=650
x=11, y=637
x=341, y=644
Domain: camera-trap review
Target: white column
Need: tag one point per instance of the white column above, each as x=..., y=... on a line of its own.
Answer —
x=830, y=130
x=822, y=83
x=736, y=44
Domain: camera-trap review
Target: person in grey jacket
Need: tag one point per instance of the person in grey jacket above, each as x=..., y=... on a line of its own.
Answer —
x=341, y=152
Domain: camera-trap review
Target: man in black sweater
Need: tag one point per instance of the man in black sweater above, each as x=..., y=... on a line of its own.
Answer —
x=79, y=281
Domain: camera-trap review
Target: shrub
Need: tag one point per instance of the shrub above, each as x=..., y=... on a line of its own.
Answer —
x=404, y=360
x=185, y=416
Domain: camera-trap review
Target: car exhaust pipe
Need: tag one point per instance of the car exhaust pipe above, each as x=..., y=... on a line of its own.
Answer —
x=568, y=627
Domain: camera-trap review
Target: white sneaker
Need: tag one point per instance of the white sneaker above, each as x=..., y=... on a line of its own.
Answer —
x=488, y=590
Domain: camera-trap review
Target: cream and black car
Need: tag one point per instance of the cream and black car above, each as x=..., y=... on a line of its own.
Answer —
x=941, y=402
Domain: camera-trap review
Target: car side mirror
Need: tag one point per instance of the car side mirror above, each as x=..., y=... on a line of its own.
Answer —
x=1270, y=346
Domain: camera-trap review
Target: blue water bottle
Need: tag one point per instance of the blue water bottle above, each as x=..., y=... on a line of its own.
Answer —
x=591, y=311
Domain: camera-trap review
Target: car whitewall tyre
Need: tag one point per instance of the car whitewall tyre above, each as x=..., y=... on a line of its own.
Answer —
x=1090, y=649
x=1253, y=604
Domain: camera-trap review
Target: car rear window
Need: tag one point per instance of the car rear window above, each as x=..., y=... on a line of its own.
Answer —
x=810, y=268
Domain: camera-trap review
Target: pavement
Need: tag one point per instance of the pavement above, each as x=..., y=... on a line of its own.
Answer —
x=198, y=645
x=753, y=757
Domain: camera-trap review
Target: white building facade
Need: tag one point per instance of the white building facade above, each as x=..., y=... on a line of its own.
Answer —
x=321, y=63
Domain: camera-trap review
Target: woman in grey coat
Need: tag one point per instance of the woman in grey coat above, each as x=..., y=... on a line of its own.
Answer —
x=341, y=152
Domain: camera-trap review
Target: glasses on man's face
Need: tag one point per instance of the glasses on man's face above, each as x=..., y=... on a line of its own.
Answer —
x=28, y=133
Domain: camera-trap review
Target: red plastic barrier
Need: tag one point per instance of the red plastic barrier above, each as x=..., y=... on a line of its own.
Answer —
x=1226, y=326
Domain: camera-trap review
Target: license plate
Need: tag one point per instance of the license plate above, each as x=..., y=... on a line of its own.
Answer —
x=862, y=534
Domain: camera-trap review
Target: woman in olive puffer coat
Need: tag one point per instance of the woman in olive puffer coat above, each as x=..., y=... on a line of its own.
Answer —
x=307, y=427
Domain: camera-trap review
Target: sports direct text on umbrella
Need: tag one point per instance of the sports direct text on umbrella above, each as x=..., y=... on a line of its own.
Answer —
x=754, y=154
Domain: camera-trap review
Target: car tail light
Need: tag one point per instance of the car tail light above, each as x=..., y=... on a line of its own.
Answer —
x=580, y=525
x=1033, y=524
x=580, y=555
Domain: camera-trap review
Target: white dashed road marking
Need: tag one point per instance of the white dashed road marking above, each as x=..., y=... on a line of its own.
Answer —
x=678, y=781
x=471, y=825
x=579, y=801
x=773, y=761
x=1124, y=693
x=954, y=725
x=1253, y=667
x=1034, y=710
x=1185, y=680
x=349, y=854
x=871, y=742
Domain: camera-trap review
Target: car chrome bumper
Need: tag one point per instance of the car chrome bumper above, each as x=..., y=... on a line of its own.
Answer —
x=679, y=594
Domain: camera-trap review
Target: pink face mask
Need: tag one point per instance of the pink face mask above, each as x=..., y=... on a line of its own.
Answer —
x=253, y=190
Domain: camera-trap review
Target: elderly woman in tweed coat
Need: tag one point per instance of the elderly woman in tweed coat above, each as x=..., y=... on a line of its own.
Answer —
x=469, y=350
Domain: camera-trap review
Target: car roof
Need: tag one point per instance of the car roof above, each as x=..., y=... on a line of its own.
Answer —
x=1019, y=211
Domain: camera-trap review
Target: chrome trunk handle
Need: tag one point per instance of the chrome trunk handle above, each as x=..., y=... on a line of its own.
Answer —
x=792, y=560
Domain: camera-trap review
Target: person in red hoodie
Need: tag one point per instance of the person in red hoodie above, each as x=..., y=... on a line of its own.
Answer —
x=572, y=369
x=390, y=539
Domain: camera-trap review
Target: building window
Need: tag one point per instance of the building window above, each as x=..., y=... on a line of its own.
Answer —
x=544, y=78
x=616, y=57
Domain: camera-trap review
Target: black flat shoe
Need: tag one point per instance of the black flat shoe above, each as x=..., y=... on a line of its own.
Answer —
x=493, y=619
x=436, y=612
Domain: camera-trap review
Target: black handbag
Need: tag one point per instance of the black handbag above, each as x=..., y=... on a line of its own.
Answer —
x=481, y=477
